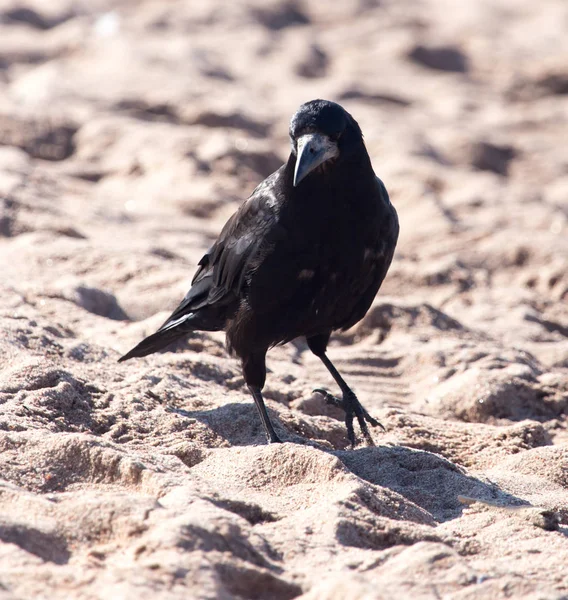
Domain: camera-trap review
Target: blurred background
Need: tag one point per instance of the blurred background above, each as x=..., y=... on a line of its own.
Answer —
x=130, y=131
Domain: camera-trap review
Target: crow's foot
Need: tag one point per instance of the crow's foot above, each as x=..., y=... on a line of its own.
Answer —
x=353, y=408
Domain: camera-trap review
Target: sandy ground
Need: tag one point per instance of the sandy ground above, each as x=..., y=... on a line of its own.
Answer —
x=129, y=132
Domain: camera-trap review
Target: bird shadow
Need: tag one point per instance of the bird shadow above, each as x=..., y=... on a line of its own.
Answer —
x=428, y=480
x=235, y=422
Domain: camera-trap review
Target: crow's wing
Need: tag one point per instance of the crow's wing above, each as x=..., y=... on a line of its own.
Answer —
x=217, y=285
x=378, y=264
x=219, y=278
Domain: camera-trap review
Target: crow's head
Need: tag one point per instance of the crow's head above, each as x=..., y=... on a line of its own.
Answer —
x=322, y=131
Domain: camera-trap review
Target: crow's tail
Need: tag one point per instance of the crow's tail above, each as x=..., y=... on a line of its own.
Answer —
x=181, y=322
x=153, y=343
x=156, y=341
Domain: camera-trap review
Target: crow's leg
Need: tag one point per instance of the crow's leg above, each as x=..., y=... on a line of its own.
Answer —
x=269, y=430
x=254, y=372
x=349, y=403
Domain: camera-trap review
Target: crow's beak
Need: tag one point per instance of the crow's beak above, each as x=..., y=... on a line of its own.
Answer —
x=313, y=150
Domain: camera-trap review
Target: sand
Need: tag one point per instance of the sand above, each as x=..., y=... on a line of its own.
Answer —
x=129, y=132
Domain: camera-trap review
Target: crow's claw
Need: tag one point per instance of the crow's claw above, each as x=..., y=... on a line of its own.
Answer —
x=329, y=398
x=353, y=408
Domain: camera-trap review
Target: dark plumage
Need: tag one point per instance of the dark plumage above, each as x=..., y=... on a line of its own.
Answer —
x=305, y=255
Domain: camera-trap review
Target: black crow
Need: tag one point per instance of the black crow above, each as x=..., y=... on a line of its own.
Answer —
x=305, y=255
